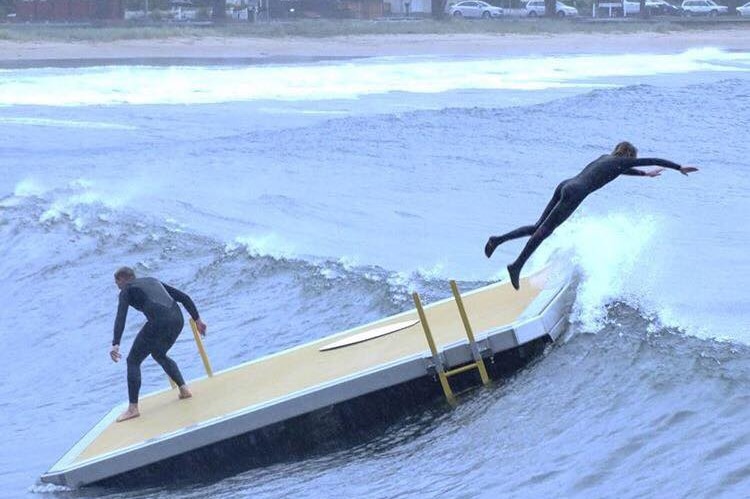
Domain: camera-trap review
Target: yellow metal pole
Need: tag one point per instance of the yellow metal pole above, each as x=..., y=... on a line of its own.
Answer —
x=431, y=342
x=201, y=349
x=472, y=343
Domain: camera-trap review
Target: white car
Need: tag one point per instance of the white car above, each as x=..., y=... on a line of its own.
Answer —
x=662, y=8
x=744, y=10
x=653, y=7
x=703, y=8
x=475, y=8
x=535, y=8
x=632, y=7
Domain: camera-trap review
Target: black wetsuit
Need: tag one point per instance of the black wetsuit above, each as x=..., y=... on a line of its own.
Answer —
x=158, y=302
x=567, y=197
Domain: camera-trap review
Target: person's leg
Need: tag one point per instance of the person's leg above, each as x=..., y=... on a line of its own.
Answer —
x=561, y=211
x=527, y=230
x=550, y=206
x=138, y=353
x=167, y=335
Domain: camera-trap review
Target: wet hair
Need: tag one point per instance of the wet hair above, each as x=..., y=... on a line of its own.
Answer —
x=625, y=149
x=125, y=273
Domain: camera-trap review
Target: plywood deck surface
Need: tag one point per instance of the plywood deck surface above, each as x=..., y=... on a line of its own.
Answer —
x=304, y=367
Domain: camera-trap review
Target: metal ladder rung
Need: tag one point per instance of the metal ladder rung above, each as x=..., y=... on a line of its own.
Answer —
x=443, y=375
x=462, y=369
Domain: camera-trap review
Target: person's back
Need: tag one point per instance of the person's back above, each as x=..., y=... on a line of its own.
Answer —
x=148, y=295
x=598, y=173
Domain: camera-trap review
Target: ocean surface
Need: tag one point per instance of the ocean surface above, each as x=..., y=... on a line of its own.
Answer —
x=292, y=201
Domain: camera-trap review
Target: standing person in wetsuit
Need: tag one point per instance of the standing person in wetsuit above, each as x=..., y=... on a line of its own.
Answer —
x=158, y=302
x=570, y=193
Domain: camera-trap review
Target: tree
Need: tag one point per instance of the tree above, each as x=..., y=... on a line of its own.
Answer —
x=642, y=9
x=438, y=8
x=550, y=7
x=220, y=11
x=6, y=7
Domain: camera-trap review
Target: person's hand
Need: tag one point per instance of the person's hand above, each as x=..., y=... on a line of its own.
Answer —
x=115, y=353
x=655, y=172
x=688, y=169
x=201, y=327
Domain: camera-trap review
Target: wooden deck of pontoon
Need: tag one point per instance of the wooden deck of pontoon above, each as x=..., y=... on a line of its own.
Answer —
x=303, y=379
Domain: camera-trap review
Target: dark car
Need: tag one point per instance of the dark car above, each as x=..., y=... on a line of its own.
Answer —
x=662, y=8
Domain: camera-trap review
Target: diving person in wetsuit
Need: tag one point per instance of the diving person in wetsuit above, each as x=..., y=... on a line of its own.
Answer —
x=570, y=193
x=158, y=302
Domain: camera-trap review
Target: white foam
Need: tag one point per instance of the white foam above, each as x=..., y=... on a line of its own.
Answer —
x=28, y=187
x=399, y=280
x=349, y=263
x=348, y=80
x=48, y=488
x=9, y=202
x=623, y=258
x=609, y=253
x=46, y=122
x=437, y=271
x=80, y=194
x=261, y=245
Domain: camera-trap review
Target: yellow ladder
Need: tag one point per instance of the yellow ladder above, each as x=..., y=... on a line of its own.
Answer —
x=443, y=375
x=201, y=350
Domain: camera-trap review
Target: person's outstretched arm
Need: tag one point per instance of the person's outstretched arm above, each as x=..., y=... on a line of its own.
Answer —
x=627, y=164
x=664, y=163
x=641, y=173
x=189, y=305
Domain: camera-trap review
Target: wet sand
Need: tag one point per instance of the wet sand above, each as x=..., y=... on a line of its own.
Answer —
x=252, y=50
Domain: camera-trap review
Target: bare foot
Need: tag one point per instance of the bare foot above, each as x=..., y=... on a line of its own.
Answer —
x=185, y=392
x=130, y=413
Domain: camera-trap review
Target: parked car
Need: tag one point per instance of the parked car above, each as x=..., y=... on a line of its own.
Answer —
x=662, y=8
x=744, y=10
x=632, y=7
x=536, y=8
x=653, y=7
x=703, y=8
x=475, y=8
x=182, y=10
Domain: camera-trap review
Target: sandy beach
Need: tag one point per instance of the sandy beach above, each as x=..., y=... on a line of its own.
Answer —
x=14, y=52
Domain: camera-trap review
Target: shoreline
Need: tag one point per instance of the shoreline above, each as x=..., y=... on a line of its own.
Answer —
x=254, y=50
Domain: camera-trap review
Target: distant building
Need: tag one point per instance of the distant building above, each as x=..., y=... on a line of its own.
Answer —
x=405, y=7
x=363, y=9
x=334, y=9
x=69, y=10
